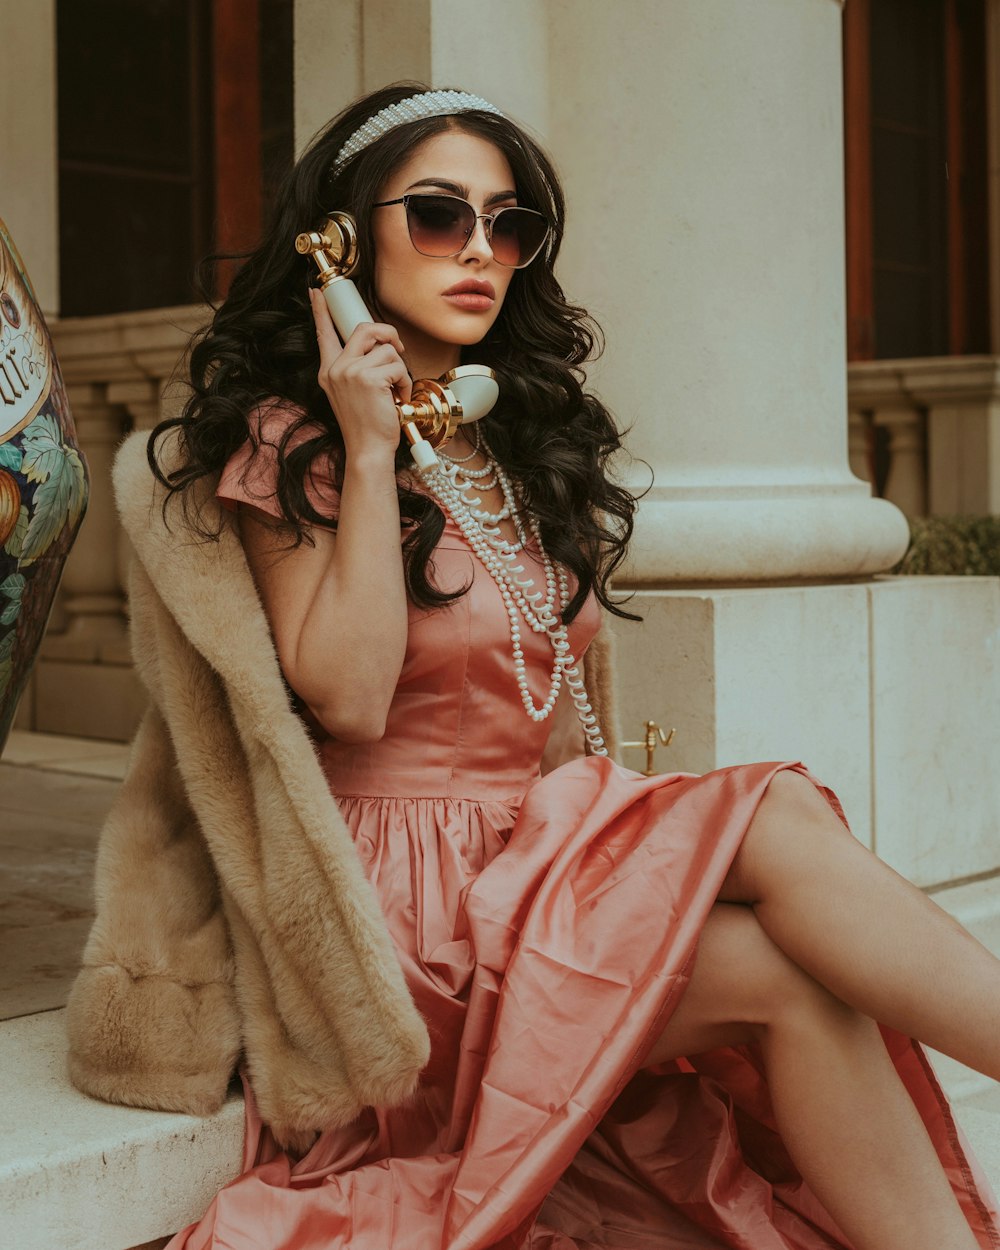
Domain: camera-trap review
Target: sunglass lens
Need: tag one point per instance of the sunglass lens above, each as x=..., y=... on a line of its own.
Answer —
x=517, y=236
x=439, y=224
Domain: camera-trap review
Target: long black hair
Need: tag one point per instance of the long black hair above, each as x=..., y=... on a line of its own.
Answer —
x=552, y=438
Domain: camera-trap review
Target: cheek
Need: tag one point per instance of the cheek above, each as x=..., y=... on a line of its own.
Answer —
x=399, y=286
x=393, y=261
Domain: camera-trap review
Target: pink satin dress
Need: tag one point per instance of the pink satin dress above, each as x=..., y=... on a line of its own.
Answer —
x=547, y=927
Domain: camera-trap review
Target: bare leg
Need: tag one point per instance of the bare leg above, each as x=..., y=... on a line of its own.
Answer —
x=844, y=1115
x=863, y=931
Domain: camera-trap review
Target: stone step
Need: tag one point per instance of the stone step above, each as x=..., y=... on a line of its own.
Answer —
x=77, y=1174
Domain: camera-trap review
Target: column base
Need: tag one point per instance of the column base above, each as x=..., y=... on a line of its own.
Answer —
x=790, y=538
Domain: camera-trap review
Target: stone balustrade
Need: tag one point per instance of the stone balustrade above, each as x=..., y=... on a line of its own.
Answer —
x=926, y=431
x=121, y=373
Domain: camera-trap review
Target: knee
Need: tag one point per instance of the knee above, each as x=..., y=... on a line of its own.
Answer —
x=794, y=799
x=783, y=998
x=791, y=820
x=801, y=1016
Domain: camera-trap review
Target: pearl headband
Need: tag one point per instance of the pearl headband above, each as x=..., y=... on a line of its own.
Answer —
x=415, y=108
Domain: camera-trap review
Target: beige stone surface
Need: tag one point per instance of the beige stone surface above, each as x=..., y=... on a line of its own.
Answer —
x=47, y=844
x=936, y=725
x=29, y=200
x=59, y=754
x=327, y=67
x=754, y=674
x=888, y=691
x=941, y=419
x=345, y=48
x=77, y=1174
x=101, y=701
x=50, y=814
x=505, y=60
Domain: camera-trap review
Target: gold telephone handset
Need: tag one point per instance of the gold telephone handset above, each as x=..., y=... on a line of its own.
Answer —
x=437, y=405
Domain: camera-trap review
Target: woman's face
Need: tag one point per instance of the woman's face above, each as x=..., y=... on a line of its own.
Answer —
x=412, y=289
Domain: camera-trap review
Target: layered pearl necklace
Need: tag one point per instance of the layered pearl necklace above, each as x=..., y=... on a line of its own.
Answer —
x=450, y=484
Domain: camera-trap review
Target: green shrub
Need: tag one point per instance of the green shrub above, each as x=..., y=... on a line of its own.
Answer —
x=955, y=545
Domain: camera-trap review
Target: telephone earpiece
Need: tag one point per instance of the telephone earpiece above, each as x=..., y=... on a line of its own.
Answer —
x=437, y=406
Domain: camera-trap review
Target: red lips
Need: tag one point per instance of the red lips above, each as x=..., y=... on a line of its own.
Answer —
x=473, y=295
x=471, y=287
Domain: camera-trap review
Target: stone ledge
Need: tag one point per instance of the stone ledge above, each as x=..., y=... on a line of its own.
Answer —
x=57, y=753
x=78, y=1174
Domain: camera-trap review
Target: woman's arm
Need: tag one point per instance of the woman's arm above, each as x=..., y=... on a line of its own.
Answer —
x=337, y=608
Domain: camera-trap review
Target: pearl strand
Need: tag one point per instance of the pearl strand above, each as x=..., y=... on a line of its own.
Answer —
x=464, y=459
x=497, y=555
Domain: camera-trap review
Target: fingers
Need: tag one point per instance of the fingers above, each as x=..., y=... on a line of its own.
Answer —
x=380, y=369
x=370, y=334
x=369, y=357
x=365, y=337
x=402, y=386
x=326, y=332
x=379, y=354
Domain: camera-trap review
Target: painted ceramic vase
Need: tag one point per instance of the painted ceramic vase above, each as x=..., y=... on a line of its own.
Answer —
x=43, y=478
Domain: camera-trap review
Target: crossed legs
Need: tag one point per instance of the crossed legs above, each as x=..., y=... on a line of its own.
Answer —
x=814, y=939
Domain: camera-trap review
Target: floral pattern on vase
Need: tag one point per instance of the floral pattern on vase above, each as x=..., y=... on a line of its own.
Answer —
x=44, y=483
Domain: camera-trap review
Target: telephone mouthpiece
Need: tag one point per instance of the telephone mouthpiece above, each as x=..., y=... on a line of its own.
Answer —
x=424, y=456
x=476, y=389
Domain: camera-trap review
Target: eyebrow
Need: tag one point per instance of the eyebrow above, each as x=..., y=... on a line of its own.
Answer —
x=457, y=189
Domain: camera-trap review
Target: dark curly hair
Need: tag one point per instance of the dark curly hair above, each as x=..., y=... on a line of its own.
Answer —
x=552, y=438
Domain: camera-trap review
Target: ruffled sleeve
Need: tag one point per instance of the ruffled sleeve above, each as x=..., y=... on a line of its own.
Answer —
x=250, y=475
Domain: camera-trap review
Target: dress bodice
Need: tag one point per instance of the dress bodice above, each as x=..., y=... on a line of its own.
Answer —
x=456, y=726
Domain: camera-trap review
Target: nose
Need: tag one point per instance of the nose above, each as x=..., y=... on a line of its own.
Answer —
x=478, y=246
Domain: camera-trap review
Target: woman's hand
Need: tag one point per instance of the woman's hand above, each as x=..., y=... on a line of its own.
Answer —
x=363, y=379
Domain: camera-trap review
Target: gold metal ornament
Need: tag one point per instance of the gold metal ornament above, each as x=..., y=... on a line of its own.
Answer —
x=433, y=410
x=334, y=247
x=654, y=736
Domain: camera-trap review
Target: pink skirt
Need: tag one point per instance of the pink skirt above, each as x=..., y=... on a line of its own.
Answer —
x=546, y=944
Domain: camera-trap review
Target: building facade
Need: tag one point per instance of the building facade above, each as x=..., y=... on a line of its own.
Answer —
x=725, y=165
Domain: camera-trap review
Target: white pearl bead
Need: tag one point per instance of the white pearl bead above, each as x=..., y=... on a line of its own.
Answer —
x=519, y=594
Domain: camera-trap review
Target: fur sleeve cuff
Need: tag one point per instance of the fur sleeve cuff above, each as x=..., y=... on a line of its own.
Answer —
x=150, y=1041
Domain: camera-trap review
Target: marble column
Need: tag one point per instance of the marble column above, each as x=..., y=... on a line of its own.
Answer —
x=705, y=182
x=347, y=47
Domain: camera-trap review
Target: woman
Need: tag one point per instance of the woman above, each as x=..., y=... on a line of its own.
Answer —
x=652, y=1004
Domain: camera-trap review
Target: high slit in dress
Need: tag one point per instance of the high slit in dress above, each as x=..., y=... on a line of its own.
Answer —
x=547, y=927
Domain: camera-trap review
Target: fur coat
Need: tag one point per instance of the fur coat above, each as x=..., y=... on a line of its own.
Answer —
x=233, y=917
